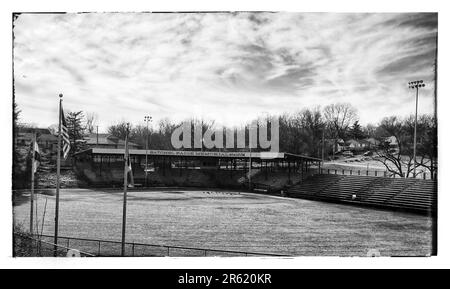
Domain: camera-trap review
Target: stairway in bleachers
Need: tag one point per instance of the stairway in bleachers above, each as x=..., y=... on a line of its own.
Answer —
x=409, y=194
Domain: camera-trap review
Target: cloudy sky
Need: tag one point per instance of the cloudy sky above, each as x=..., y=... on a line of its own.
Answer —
x=230, y=67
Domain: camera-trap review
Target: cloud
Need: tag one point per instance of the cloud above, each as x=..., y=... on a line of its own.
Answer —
x=230, y=67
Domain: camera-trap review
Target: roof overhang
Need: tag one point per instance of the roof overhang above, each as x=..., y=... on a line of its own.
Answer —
x=260, y=155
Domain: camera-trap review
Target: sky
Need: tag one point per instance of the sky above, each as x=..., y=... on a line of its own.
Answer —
x=228, y=67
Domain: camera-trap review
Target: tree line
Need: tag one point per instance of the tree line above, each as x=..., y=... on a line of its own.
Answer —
x=311, y=132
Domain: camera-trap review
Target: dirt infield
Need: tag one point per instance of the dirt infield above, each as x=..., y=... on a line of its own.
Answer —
x=235, y=221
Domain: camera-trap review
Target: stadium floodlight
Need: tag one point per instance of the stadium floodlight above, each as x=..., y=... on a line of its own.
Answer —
x=147, y=119
x=415, y=85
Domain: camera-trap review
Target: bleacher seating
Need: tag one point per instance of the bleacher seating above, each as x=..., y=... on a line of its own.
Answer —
x=409, y=194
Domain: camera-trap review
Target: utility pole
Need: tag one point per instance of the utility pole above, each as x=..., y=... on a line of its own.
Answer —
x=32, y=182
x=125, y=187
x=415, y=85
x=147, y=119
x=97, y=135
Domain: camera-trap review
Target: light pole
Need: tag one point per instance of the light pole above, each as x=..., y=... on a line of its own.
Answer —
x=415, y=85
x=147, y=119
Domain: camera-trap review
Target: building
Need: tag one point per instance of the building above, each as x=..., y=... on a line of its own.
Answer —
x=105, y=166
x=355, y=144
x=371, y=143
x=47, y=142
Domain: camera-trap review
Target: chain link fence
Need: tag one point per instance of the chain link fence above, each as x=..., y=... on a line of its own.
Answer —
x=106, y=248
x=29, y=246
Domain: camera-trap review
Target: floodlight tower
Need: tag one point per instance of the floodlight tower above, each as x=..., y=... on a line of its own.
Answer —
x=147, y=119
x=415, y=85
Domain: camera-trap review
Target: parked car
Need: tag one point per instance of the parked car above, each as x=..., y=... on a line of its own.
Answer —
x=347, y=154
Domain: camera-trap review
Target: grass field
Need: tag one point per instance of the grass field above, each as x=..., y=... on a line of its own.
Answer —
x=234, y=221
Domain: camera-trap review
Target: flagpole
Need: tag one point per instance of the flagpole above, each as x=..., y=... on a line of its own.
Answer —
x=32, y=183
x=125, y=185
x=58, y=171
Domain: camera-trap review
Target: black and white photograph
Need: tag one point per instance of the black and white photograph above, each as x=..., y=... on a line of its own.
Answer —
x=267, y=134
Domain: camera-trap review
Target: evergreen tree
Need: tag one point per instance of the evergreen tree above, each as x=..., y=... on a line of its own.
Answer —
x=76, y=130
x=356, y=131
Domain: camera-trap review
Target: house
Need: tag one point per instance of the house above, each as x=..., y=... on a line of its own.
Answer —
x=104, y=140
x=335, y=145
x=392, y=142
x=354, y=144
x=47, y=142
x=370, y=143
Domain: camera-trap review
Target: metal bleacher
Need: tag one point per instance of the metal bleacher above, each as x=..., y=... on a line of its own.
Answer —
x=406, y=194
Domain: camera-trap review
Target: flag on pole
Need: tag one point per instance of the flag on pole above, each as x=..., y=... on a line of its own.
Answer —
x=128, y=168
x=36, y=157
x=65, y=135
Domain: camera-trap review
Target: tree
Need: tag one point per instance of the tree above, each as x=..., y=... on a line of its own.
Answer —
x=91, y=122
x=76, y=130
x=301, y=133
x=399, y=159
x=426, y=142
x=356, y=131
x=370, y=130
x=389, y=155
x=338, y=118
x=119, y=130
x=312, y=126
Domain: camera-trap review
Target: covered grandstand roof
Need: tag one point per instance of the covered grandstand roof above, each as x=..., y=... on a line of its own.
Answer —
x=260, y=155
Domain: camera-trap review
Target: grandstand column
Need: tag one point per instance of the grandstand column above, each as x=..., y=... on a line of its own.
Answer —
x=301, y=170
x=289, y=172
x=266, y=174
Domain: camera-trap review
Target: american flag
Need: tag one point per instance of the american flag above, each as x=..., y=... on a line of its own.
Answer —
x=36, y=156
x=65, y=135
x=128, y=167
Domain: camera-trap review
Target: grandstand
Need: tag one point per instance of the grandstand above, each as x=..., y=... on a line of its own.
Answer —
x=100, y=167
x=415, y=195
x=292, y=174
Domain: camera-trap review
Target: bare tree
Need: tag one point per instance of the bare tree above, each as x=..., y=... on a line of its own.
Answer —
x=91, y=121
x=338, y=118
x=396, y=150
x=119, y=129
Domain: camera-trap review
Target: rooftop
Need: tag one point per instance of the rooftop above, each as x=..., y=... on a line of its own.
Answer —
x=260, y=155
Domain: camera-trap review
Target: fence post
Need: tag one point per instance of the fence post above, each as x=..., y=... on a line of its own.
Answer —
x=367, y=172
x=359, y=172
x=98, y=248
x=376, y=173
x=424, y=175
x=38, y=249
x=335, y=172
x=343, y=172
x=168, y=251
x=351, y=172
x=132, y=249
x=328, y=171
x=68, y=242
